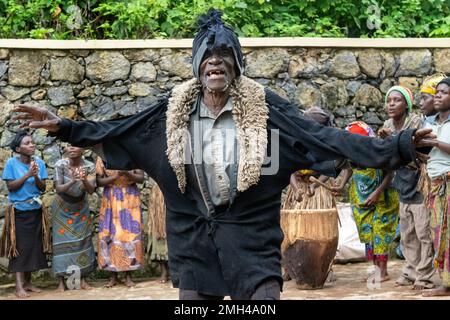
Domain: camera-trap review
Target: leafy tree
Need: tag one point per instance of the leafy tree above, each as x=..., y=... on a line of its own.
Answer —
x=143, y=19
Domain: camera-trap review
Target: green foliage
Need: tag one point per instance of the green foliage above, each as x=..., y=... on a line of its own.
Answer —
x=143, y=19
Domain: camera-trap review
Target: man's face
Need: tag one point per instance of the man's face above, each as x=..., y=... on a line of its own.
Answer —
x=27, y=147
x=442, y=98
x=217, y=69
x=396, y=105
x=426, y=104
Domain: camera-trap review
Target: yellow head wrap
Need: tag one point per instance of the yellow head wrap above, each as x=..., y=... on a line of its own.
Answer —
x=429, y=83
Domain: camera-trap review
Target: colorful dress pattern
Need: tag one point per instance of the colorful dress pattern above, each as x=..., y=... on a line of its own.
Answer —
x=72, y=224
x=439, y=204
x=376, y=224
x=120, y=224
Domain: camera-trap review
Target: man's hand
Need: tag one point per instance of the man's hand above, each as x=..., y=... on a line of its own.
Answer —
x=424, y=138
x=36, y=117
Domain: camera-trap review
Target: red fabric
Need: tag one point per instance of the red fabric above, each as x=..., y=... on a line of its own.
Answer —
x=356, y=129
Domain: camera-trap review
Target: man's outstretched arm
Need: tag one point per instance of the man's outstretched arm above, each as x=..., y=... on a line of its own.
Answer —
x=315, y=143
x=119, y=142
x=79, y=133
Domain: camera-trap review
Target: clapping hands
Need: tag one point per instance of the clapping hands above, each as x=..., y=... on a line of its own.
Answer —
x=79, y=174
x=34, y=169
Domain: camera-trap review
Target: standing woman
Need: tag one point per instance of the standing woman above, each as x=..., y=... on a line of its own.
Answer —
x=157, y=240
x=120, y=224
x=72, y=221
x=25, y=234
x=438, y=168
x=374, y=204
x=427, y=93
x=415, y=234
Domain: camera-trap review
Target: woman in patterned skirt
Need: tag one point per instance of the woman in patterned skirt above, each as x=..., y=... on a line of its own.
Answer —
x=73, y=252
x=375, y=206
x=120, y=224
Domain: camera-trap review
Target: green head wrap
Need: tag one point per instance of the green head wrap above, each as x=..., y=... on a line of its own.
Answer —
x=406, y=93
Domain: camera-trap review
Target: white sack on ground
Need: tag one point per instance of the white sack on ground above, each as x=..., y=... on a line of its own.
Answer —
x=350, y=249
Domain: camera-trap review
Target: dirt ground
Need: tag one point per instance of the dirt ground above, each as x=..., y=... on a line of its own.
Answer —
x=348, y=285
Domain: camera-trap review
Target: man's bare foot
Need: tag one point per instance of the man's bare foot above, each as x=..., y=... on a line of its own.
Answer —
x=84, y=285
x=31, y=288
x=403, y=282
x=22, y=294
x=438, y=292
x=385, y=278
x=420, y=287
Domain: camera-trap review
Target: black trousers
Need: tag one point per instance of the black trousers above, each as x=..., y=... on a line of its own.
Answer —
x=268, y=290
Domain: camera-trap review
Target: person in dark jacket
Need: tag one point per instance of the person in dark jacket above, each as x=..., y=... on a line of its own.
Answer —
x=221, y=149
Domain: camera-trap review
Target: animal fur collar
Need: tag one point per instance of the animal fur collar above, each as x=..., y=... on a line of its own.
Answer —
x=250, y=114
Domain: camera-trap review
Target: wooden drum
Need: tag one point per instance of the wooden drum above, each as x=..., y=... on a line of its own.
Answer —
x=311, y=239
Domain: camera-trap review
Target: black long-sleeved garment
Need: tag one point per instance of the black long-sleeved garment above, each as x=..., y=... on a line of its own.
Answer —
x=233, y=252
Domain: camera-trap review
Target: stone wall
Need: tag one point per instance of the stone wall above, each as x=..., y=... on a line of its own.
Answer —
x=106, y=84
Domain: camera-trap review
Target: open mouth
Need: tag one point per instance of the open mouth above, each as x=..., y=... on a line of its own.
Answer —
x=215, y=73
